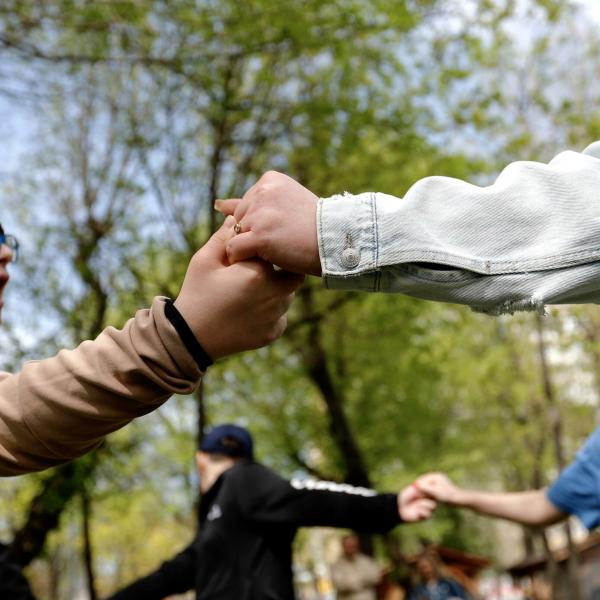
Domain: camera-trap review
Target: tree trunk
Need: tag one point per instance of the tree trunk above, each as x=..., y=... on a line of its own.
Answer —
x=45, y=509
x=591, y=331
x=88, y=559
x=551, y=566
x=68, y=480
x=315, y=363
x=54, y=572
x=201, y=417
x=556, y=425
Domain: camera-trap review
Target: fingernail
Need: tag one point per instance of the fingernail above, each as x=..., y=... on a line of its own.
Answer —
x=230, y=221
x=217, y=204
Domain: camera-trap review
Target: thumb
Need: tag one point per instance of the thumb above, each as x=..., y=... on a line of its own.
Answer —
x=411, y=492
x=425, y=484
x=215, y=247
x=227, y=207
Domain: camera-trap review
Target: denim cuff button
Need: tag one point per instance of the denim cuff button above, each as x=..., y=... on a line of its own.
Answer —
x=350, y=258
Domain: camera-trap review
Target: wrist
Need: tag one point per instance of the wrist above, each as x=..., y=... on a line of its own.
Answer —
x=460, y=497
x=187, y=336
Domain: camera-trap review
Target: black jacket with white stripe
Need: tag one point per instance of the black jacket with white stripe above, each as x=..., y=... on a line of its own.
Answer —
x=248, y=522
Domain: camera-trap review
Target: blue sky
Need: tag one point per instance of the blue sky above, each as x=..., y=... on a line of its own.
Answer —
x=18, y=121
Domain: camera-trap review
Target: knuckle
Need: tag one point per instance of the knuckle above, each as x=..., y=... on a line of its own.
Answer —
x=261, y=187
x=271, y=176
x=276, y=331
x=267, y=182
x=260, y=239
x=256, y=276
x=270, y=336
x=263, y=202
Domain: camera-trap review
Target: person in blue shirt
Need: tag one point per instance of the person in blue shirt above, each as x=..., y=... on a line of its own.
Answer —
x=576, y=491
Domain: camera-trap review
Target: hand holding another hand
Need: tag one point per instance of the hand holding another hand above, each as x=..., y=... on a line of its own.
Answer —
x=414, y=506
x=439, y=487
x=278, y=223
x=232, y=308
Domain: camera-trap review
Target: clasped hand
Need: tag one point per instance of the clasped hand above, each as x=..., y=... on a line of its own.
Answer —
x=234, y=307
x=278, y=222
x=232, y=297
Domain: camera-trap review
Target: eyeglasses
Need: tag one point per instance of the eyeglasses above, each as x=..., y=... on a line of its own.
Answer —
x=10, y=241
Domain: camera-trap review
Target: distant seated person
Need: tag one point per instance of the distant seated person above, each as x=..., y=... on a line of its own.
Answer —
x=575, y=492
x=249, y=517
x=433, y=584
x=355, y=575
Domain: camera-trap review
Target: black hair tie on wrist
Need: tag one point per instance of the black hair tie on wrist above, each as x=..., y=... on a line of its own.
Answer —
x=187, y=336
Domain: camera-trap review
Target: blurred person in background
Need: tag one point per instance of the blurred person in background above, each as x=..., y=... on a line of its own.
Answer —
x=355, y=575
x=434, y=585
x=249, y=517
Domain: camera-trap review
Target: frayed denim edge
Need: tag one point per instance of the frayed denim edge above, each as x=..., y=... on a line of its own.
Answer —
x=510, y=307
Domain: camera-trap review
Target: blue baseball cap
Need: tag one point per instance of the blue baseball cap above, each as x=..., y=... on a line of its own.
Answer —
x=230, y=440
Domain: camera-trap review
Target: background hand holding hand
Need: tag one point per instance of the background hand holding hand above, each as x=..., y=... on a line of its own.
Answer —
x=439, y=487
x=414, y=506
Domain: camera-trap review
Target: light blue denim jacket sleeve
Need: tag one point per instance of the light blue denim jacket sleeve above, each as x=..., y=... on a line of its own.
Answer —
x=530, y=239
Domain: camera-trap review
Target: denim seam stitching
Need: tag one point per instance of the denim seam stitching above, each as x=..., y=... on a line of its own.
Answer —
x=375, y=242
x=442, y=282
x=502, y=266
x=431, y=280
x=321, y=239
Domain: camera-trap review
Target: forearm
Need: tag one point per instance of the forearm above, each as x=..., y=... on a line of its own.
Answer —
x=528, y=239
x=375, y=514
x=267, y=498
x=175, y=576
x=528, y=508
x=57, y=409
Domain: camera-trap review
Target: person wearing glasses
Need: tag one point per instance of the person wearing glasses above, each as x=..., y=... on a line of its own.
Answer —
x=57, y=409
x=9, y=251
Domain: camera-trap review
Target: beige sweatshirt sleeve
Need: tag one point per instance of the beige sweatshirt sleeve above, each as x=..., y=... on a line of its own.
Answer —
x=57, y=409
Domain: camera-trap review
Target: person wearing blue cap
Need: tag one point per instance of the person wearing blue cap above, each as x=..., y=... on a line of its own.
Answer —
x=249, y=517
x=576, y=492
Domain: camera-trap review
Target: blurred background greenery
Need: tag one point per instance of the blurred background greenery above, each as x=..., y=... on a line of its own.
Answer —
x=122, y=121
